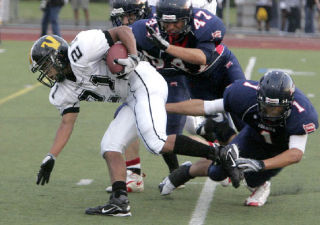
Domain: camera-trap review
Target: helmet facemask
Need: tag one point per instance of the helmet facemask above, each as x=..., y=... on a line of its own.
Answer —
x=275, y=97
x=48, y=65
x=134, y=10
x=273, y=113
x=49, y=57
x=174, y=12
x=172, y=19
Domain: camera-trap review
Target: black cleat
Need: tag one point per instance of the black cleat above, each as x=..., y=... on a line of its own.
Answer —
x=228, y=155
x=115, y=207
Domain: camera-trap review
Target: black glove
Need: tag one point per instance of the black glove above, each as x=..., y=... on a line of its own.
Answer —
x=129, y=64
x=228, y=156
x=45, y=169
x=250, y=165
x=156, y=39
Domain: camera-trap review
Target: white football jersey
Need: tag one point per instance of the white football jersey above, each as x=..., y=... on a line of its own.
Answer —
x=92, y=80
x=211, y=6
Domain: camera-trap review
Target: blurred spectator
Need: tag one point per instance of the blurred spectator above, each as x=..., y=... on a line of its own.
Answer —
x=309, y=15
x=83, y=4
x=220, y=6
x=51, y=10
x=284, y=15
x=318, y=7
x=294, y=15
x=263, y=13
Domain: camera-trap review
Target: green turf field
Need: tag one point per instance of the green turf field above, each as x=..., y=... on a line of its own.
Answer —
x=28, y=124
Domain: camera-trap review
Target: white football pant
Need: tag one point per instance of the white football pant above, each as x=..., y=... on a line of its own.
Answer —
x=144, y=114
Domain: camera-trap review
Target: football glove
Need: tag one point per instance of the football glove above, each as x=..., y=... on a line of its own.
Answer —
x=228, y=156
x=45, y=169
x=129, y=64
x=250, y=165
x=156, y=39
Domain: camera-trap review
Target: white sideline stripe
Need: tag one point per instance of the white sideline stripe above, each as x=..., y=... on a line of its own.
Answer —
x=2, y=50
x=200, y=213
x=249, y=68
x=310, y=95
x=18, y=93
x=85, y=182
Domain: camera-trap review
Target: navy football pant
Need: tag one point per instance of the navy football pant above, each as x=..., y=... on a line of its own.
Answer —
x=249, y=147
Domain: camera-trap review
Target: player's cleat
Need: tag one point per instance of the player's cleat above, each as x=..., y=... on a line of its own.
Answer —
x=115, y=207
x=176, y=179
x=134, y=183
x=166, y=187
x=228, y=156
x=259, y=195
x=226, y=182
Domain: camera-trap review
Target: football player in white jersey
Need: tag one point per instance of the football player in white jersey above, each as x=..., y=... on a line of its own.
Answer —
x=210, y=5
x=79, y=72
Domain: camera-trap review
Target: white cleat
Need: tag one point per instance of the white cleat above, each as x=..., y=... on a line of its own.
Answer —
x=226, y=182
x=134, y=183
x=259, y=195
x=166, y=187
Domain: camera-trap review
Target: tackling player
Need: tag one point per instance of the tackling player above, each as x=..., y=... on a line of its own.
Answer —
x=176, y=44
x=278, y=118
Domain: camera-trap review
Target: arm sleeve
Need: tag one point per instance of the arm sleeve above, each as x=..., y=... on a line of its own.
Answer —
x=213, y=107
x=298, y=141
x=108, y=37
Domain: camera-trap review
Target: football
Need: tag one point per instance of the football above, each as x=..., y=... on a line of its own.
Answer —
x=116, y=51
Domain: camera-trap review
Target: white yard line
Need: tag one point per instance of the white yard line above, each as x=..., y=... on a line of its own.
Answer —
x=18, y=93
x=200, y=212
x=84, y=182
x=250, y=66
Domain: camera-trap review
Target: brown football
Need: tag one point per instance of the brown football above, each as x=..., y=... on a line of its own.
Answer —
x=116, y=51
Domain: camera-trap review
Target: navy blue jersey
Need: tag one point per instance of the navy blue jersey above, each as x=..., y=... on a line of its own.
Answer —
x=212, y=83
x=207, y=32
x=240, y=99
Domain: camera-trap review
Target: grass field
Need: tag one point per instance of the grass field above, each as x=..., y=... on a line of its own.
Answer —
x=28, y=124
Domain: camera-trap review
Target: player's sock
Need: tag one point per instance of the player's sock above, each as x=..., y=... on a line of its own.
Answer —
x=187, y=146
x=171, y=161
x=134, y=165
x=119, y=188
x=180, y=175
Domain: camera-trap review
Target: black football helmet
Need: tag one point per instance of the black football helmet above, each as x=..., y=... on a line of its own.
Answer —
x=275, y=98
x=171, y=11
x=49, y=51
x=121, y=8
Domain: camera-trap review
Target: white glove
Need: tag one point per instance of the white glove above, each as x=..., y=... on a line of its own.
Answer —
x=129, y=64
x=43, y=4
